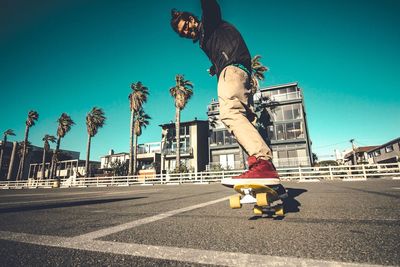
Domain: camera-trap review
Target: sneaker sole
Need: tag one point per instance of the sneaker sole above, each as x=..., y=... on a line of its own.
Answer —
x=229, y=182
x=282, y=194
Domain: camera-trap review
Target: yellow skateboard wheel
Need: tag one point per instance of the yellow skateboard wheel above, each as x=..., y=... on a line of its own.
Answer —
x=257, y=210
x=262, y=199
x=234, y=202
x=279, y=211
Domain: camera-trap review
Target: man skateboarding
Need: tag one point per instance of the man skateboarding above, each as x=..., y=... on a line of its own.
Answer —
x=231, y=62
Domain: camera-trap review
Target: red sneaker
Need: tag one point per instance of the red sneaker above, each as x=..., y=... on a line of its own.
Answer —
x=260, y=172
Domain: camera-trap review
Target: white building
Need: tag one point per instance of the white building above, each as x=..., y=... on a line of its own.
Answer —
x=105, y=161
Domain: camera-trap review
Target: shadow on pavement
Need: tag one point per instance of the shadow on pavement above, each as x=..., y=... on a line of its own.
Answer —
x=64, y=204
x=290, y=204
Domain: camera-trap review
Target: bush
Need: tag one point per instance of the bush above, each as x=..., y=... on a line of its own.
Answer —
x=325, y=163
x=182, y=169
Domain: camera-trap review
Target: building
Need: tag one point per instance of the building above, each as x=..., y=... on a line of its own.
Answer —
x=64, y=169
x=360, y=154
x=107, y=161
x=281, y=109
x=193, y=145
x=148, y=159
x=386, y=153
x=224, y=151
x=12, y=159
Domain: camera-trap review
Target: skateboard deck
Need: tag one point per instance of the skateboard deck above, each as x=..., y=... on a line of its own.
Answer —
x=264, y=197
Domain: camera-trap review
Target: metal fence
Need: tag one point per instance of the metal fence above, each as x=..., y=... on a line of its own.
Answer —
x=303, y=174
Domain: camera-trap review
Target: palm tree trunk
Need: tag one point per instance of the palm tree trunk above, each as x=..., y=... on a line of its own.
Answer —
x=135, y=141
x=43, y=164
x=87, y=156
x=12, y=159
x=131, y=144
x=54, y=158
x=23, y=153
x=19, y=170
x=177, y=136
x=3, y=146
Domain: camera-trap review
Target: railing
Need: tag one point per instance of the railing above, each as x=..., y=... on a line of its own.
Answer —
x=354, y=172
x=172, y=151
x=217, y=166
x=291, y=162
x=287, y=96
x=357, y=172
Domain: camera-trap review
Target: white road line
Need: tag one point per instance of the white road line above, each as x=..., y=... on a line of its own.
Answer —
x=66, y=193
x=133, y=192
x=53, y=193
x=169, y=253
x=128, y=225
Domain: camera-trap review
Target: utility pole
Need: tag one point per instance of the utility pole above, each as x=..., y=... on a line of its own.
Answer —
x=354, y=152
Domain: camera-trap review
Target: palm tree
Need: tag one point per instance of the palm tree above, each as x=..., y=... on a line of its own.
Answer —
x=95, y=119
x=181, y=92
x=258, y=70
x=64, y=126
x=23, y=149
x=46, y=147
x=3, y=146
x=137, y=98
x=33, y=116
x=141, y=120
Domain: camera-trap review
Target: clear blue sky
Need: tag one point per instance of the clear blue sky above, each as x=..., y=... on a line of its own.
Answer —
x=70, y=55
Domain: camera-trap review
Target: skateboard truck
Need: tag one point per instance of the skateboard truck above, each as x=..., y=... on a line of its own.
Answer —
x=262, y=196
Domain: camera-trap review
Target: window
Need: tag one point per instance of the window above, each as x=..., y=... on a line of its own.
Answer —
x=389, y=148
x=297, y=111
x=227, y=161
x=287, y=112
x=298, y=131
x=282, y=154
x=291, y=89
x=280, y=134
x=290, y=131
x=278, y=114
x=292, y=154
x=219, y=137
x=377, y=153
x=282, y=91
x=227, y=138
x=270, y=132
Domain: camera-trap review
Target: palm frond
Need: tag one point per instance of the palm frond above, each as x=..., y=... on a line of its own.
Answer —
x=141, y=120
x=50, y=138
x=182, y=91
x=9, y=132
x=95, y=120
x=64, y=125
x=258, y=68
x=33, y=116
x=138, y=96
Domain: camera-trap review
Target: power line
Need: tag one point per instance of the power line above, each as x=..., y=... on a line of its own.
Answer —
x=330, y=145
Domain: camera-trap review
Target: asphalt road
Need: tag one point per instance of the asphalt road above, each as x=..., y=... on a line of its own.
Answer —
x=326, y=223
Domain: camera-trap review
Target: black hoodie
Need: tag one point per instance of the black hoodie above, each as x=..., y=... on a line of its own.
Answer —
x=220, y=40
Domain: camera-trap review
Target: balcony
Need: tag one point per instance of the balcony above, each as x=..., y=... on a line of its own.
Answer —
x=217, y=166
x=188, y=151
x=286, y=97
x=291, y=162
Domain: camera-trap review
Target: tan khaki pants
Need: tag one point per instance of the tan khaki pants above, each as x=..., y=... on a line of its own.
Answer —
x=236, y=111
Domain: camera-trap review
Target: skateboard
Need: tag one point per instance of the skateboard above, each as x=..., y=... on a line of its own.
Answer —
x=265, y=198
